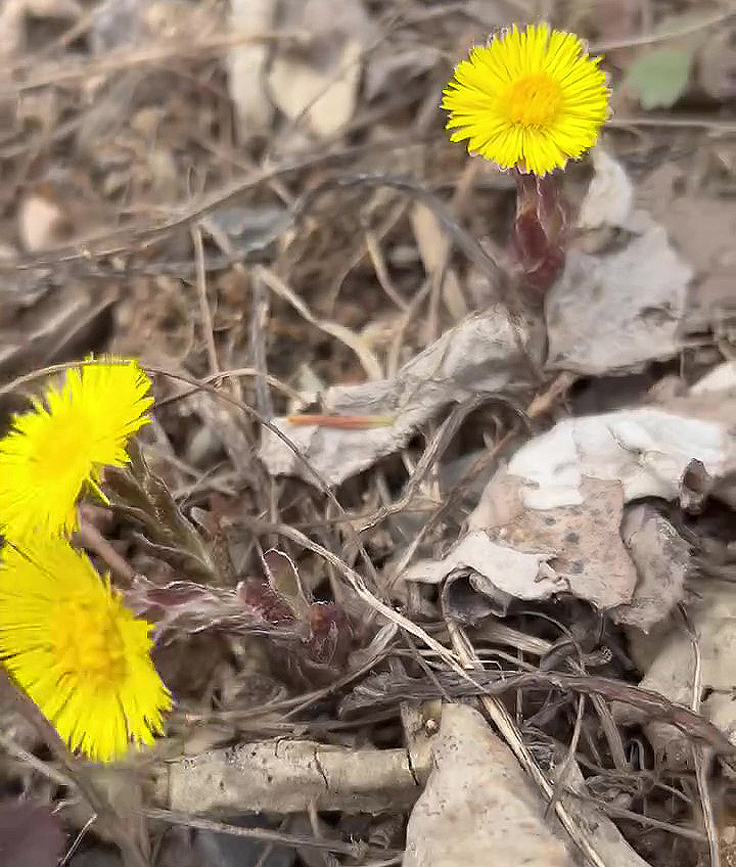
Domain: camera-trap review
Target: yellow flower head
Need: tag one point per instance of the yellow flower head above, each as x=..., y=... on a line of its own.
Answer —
x=530, y=99
x=64, y=443
x=77, y=651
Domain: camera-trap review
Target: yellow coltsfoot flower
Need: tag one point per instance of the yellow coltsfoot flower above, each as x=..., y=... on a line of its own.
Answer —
x=530, y=99
x=63, y=444
x=77, y=651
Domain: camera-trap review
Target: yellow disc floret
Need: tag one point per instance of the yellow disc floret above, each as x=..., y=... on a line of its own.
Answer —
x=529, y=99
x=78, y=651
x=62, y=445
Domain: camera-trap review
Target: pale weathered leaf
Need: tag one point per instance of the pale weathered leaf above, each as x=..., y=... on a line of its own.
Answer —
x=618, y=310
x=672, y=670
x=560, y=503
x=510, y=571
x=610, y=196
x=245, y=64
x=325, y=95
x=478, y=806
x=662, y=559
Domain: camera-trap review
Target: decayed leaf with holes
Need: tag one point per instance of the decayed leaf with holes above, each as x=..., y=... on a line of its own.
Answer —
x=560, y=500
x=532, y=554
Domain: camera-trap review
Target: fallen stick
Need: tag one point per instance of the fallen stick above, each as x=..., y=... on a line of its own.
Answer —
x=287, y=777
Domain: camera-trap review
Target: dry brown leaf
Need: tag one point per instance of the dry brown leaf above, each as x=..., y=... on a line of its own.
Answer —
x=431, y=238
x=618, y=310
x=516, y=552
x=321, y=82
x=703, y=229
x=391, y=65
x=582, y=542
x=717, y=65
x=433, y=245
x=560, y=503
x=13, y=19
x=483, y=354
x=662, y=559
x=621, y=309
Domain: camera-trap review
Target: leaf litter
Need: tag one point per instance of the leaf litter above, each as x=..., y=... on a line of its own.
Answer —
x=550, y=478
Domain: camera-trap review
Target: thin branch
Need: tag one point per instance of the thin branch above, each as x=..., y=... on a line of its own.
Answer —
x=356, y=850
x=204, y=305
x=663, y=35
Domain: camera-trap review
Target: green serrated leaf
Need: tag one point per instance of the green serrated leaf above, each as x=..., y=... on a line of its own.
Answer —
x=658, y=77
